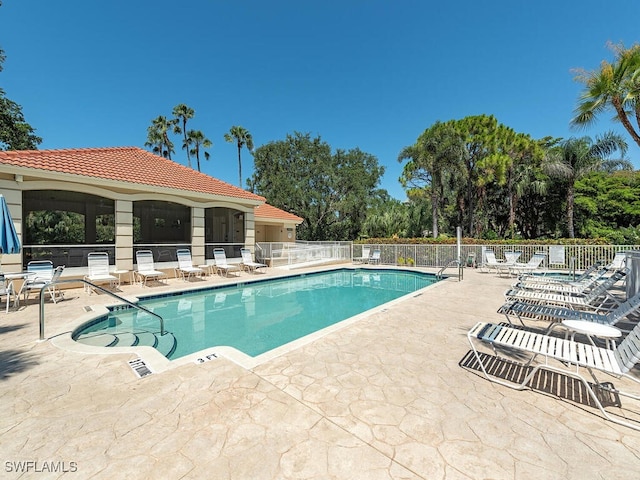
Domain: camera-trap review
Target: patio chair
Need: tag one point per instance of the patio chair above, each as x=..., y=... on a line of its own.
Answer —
x=248, y=263
x=146, y=268
x=555, y=313
x=598, y=298
x=7, y=290
x=185, y=268
x=98, y=271
x=517, y=268
x=574, y=288
x=570, y=355
x=366, y=252
x=594, y=270
x=221, y=264
x=42, y=279
x=375, y=257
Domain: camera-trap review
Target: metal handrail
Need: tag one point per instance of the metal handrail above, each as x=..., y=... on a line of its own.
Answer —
x=103, y=290
x=452, y=263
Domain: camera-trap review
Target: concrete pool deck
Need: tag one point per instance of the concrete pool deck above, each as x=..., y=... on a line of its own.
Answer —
x=386, y=397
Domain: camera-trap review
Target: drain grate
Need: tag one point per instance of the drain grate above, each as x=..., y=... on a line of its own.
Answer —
x=140, y=368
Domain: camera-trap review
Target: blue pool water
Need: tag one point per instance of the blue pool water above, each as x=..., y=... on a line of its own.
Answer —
x=253, y=317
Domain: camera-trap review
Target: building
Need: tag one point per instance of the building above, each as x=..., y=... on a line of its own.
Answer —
x=67, y=203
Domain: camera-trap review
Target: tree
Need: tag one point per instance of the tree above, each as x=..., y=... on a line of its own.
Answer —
x=182, y=113
x=576, y=157
x=614, y=86
x=15, y=133
x=436, y=155
x=330, y=191
x=486, y=160
x=196, y=139
x=242, y=137
x=158, y=136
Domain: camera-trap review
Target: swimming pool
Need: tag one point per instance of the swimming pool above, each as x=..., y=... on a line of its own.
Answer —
x=252, y=317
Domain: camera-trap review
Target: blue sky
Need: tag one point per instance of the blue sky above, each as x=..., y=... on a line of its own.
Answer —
x=369, y=74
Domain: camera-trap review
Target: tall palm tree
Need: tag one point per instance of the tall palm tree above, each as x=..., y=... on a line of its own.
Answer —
x=576, y=157
x=614, y=86
x=158, y=136
x=183, y=113
x=195, y=140
x=242, y=137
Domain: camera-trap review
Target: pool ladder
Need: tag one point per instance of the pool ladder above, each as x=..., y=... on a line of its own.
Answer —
x=97, y=287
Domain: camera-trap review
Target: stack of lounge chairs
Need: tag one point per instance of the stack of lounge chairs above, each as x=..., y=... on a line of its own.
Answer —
x=589, y=306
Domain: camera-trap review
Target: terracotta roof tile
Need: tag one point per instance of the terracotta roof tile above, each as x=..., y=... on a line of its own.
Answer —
x=269, y=211
x=125, y=164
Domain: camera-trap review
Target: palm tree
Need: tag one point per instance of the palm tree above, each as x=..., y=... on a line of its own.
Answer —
x=576, y=157
x=242, y=137
x=197, y=139
x=183, y=113
x=614, y=86
x=158, y=136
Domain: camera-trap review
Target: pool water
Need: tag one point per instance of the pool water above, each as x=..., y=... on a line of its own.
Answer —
x=259, y=316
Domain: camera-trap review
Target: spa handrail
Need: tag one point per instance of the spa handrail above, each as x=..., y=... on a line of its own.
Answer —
x=103, y=290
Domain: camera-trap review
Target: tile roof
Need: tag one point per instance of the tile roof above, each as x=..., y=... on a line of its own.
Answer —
x=269, y=211
x=124, y=164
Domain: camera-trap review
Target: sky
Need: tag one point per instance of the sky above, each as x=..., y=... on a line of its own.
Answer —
x=367, y=74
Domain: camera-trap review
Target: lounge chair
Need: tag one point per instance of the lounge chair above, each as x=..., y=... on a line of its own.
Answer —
x=596, y=298
x=366, y=253
x=98, y=271
x=596, y=270
x=146, y=269
x=555, y=313
x=375, y=257
x=490, y=262
x=574, y=288
x=518, y=268
x=570, y=356
x=247, y=261
x=43, y=278
x=7, y=290
x=185, y=268
x=221, y=264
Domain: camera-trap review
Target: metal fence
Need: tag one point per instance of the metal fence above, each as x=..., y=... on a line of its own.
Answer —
x=563, y=257
x=291, y=254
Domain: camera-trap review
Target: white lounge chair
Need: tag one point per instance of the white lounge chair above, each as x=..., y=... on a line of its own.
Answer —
x=490, y=262
x=185, y=268
x=221, y=264
x=98, y=271
x=555, y=313
x=146, y=268
x=570, y=355
x=364, y=258
x=596, y=298
x=375, y=257
x=42, y=278
x=247, y=261
x=518, y=268
x=574, y=288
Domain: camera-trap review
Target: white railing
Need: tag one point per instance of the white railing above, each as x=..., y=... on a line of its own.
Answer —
x=298, y=254
x=561, y=257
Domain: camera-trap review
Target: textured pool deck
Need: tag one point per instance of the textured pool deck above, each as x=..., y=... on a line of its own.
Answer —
x=391, y=396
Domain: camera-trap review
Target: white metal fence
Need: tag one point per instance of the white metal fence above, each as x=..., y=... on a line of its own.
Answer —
x=298, y=254
x=556, y=256
x=562, y=257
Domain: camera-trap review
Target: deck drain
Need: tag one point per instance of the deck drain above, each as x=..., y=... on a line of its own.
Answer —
x=87, y=308
x=139, y=367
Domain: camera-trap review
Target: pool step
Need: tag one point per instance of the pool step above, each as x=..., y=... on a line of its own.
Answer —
x=165, y=344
